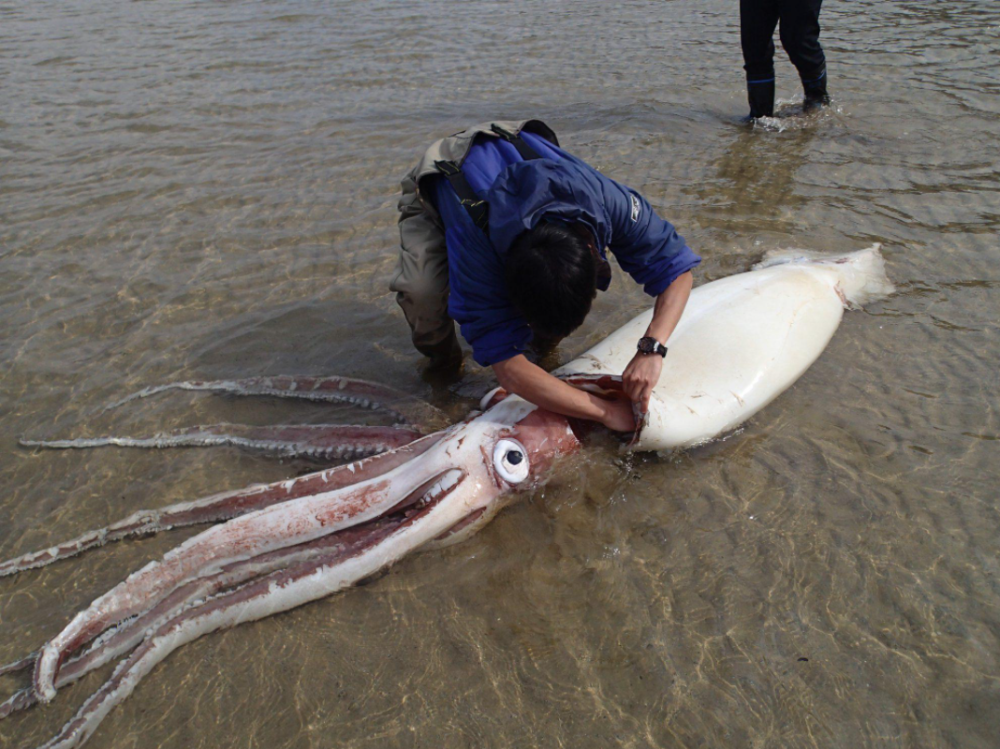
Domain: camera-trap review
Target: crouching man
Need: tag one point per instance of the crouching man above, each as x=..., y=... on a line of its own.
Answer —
x=505, y=233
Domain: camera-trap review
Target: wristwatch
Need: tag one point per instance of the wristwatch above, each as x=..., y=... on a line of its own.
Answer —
x=648, y=345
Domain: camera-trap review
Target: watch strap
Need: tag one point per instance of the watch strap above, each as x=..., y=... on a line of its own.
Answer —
x=649, y=345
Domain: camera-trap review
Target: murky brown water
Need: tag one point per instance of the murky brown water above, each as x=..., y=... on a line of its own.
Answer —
x=207, y=190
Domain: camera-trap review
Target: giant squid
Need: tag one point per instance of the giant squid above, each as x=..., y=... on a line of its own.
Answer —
x=741, y=341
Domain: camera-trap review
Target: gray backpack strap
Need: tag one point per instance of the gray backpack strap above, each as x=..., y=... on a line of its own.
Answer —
x=515, y=139
x=479, y=209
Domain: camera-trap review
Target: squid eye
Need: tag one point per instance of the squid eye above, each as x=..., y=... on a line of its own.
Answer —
x=510, y=460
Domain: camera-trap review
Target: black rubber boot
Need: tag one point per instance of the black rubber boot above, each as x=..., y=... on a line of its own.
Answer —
x=444, y=355
x=816, y=95
x=761, y=97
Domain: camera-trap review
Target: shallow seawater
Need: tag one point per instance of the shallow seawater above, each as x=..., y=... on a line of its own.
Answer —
x=207, y=190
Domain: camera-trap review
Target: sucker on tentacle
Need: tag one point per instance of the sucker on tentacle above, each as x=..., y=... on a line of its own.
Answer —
x=20, y=665
x=20, y=700
x=361, y=393
x=317, y=441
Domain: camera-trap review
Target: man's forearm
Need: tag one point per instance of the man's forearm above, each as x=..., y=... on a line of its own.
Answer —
x=669, y=307
x=534, y=384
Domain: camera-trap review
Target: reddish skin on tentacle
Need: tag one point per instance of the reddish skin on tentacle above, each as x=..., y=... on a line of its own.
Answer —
x=18, y=701
x=317, y=441
x=224, y=506
x=12, y=668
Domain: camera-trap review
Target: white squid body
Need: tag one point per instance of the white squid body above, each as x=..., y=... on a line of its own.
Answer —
x=741, y=341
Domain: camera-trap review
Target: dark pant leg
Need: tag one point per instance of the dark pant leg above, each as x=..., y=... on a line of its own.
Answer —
x=757, y=21
x=800, y=38
x=421, y=281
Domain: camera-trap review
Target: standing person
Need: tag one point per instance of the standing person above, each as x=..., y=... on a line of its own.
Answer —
x=799, y=36
x=505, y=233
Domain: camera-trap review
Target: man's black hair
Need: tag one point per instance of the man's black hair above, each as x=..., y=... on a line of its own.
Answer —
x=552, y=277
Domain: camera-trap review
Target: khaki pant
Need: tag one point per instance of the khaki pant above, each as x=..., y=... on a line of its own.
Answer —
x=421, y=280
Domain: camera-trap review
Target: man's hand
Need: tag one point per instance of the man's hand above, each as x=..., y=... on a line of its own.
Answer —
x=618, y=416
x=640, y=377
x=643, y=372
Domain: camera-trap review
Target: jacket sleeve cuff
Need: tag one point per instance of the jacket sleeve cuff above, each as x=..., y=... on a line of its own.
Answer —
x=678, y=265
x=498, y=346
x=487, y=357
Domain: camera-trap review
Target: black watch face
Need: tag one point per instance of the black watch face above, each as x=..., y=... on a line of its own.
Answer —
x=646, y=345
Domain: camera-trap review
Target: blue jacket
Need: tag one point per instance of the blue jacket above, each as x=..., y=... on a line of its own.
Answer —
x=520, y=194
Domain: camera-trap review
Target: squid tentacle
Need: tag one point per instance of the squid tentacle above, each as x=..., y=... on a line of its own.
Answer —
x=20, y=665
x=362, y=393
x=318, y=441
x=223, y=506
x=20, y=700
x=126, y=637
x=266, y=530
x=271, y=594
